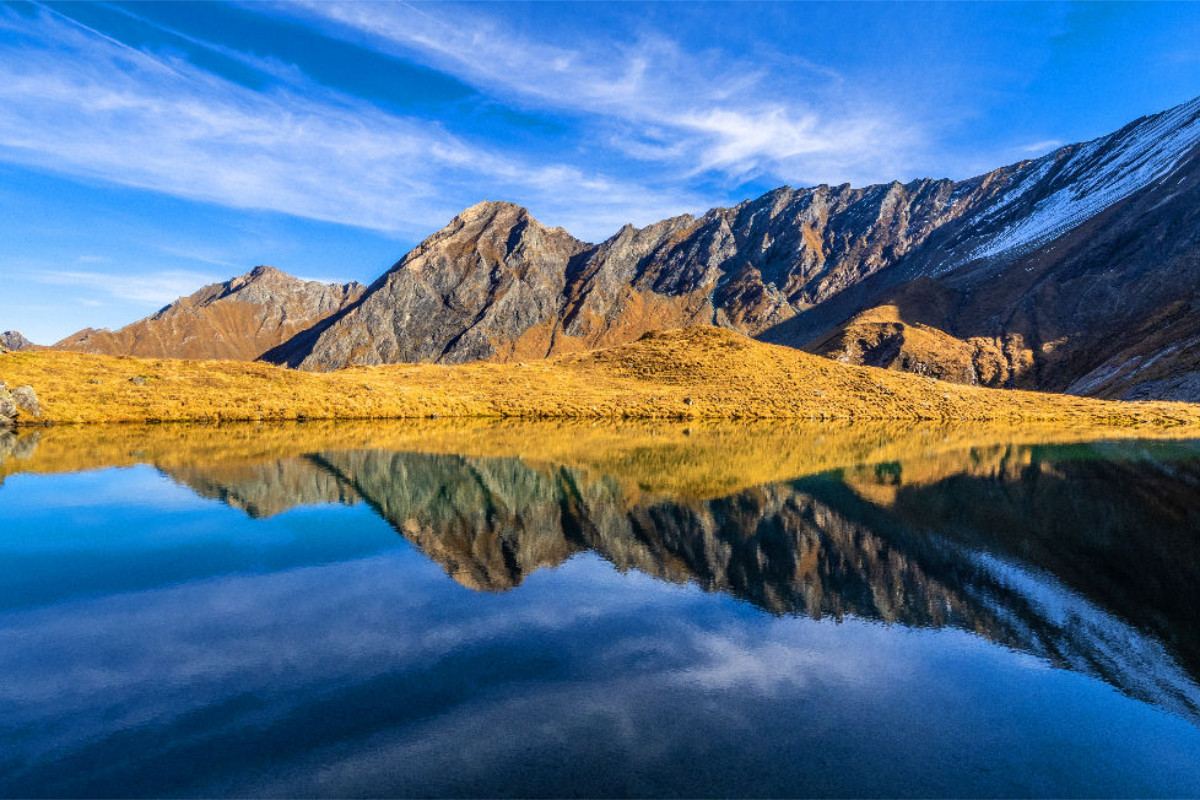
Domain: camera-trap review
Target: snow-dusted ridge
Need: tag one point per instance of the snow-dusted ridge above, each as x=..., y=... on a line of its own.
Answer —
x=1082, y=180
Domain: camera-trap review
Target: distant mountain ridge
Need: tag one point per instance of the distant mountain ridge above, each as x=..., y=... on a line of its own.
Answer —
x=1077, y=271
x=239, y=319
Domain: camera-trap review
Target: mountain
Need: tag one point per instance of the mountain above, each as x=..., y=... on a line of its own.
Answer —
x=1075, y=272
x=1102, y=305
x=13, y=340
x=1072, y=272
x=496, y=284
x=238, y=319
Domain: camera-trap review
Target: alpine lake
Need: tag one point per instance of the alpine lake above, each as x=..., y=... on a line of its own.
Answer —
x=469, y=608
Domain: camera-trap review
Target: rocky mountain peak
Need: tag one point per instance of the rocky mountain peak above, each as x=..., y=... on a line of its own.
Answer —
x=492, y=209
x=13, y=340
x=266, y=273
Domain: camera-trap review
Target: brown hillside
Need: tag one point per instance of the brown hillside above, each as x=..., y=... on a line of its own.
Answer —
x=238, y=319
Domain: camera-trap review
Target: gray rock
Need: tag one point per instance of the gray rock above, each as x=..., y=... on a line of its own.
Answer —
x=8, y=407
x=13, y=340
x=26, y=401
x=18, y=405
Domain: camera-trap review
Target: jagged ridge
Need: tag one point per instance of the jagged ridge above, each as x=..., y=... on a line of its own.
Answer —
x=793, y=264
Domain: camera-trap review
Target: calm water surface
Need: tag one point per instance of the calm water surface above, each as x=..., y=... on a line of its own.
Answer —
x=554, y=610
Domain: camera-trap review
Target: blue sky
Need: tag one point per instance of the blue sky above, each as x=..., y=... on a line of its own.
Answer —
x=147, y=149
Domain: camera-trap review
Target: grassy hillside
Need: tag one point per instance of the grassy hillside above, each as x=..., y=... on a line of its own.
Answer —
x=693, y=373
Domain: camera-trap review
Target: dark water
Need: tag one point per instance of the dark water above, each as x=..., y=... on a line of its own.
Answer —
x=556, y=611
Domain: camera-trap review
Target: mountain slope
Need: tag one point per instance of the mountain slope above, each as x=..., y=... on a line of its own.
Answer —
x=495, y=284
x=1105, y=309
x=13, y=340
x=238, y=319
x=988, y=279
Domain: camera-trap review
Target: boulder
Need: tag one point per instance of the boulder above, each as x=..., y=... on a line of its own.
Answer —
x=27, y=402
x=8, y=407
x=19, y=404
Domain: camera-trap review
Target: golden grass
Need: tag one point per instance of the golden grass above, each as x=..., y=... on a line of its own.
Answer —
x=695, y=373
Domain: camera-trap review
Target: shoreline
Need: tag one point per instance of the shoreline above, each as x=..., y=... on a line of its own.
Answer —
x=707, y=458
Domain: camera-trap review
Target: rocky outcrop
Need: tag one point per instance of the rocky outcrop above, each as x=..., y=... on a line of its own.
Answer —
x=483, y=282
x=8, y=407
x=12, y=341
x=238, y=319
x=892, y=336
x=18, y=406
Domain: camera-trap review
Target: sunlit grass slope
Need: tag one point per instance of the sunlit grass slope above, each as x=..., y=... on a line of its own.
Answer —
x=693, y=373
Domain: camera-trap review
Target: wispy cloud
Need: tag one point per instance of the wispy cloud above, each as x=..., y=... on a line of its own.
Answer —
x=1037, y=148
x=158, y=288
x=777, y=116
x=78, y=102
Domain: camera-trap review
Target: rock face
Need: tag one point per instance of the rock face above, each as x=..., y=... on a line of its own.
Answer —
x=1105, y=309
x=480, y=284
x=1075, y=271
x=13, y=340
x=8, y=407
x=19, y=405
x=496, y=284
x=238, y=319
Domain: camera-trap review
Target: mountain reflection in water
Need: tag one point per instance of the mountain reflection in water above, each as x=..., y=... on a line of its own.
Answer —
x=1085, y=554
x=1069, y=553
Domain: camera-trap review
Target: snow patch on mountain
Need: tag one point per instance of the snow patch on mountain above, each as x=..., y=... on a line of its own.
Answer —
x=1097, y=175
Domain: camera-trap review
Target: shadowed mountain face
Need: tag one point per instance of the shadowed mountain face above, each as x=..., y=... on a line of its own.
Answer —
x=1085, y=555
x=238, y=319
x=1104, y=310
x=1073, y=271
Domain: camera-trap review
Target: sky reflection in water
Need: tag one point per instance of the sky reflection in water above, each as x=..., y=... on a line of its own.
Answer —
x=956, y=623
